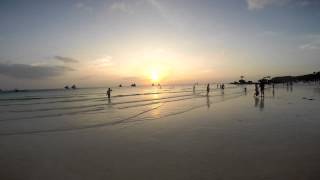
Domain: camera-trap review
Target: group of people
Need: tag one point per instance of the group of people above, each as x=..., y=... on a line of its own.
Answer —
x=260, y=86
x=221, y=86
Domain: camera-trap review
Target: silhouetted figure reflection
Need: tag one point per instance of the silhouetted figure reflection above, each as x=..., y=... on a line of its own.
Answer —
x=109, y=93
x=261, y=104
x=194, y=89
x=208, y=102
x=256, y=101
x=109, y=101
x=208, y=89
x=272, y=92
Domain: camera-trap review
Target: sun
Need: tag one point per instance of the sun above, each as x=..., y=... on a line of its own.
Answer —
x=154, y=76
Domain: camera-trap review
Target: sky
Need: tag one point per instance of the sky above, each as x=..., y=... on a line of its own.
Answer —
x=50, y=44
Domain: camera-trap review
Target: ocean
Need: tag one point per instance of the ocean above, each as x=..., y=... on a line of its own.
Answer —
x=40, y=111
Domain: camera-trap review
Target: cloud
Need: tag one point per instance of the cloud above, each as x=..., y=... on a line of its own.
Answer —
x=83, y=6
x=260, y=4
x=25, y=71
x=304, y=3
x=79, y=5
x=313, y=44
x=122, y=7
x=103, y=62
x=66, y=59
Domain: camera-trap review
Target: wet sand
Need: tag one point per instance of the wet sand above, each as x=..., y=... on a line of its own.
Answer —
x=221, y=138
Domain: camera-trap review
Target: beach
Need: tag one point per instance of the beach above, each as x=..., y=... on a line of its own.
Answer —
x=167, y=133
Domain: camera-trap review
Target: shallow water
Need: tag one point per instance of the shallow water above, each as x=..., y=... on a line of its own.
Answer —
x=64, y=110
x=182, y=135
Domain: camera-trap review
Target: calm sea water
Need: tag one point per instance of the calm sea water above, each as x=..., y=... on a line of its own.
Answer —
x=67, y=110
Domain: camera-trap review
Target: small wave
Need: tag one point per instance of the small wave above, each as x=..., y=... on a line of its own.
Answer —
x=129, y=119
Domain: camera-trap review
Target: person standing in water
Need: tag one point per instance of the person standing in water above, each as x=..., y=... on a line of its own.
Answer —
x=208, y=89
x=262, y=88
x=256, y=90
x=109, y=93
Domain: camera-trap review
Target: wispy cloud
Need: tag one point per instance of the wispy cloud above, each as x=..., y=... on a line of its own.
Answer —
x=65, y=59
x=312, y=42
x=304, y=3
x=105, y=61
x=83, y=6
x=26, y=71
x=259, y=4
x=312, y=45
x=122, y=7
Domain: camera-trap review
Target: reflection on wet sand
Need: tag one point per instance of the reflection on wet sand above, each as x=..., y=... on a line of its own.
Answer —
x=256, y=101
x=259, y=102
x=208, y=101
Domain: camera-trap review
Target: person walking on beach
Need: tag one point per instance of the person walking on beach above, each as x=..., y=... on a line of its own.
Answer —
x=256, y=90
x=208, y=89
x=109, y=93
x=262, y=88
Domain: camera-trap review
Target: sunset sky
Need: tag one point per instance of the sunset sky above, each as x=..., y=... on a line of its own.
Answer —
x=49, y=44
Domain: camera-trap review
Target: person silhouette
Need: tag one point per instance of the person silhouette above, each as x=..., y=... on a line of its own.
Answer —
x=256, y=90
x=262, y=88
x=208, y=89
x=109, y=93
x=194, y=88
